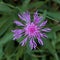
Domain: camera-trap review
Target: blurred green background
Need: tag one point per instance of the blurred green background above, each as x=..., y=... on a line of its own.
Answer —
x=11, y=50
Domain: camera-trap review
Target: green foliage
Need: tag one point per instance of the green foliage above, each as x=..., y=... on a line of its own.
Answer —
x=57, y=1
x=11, y=50
x=54, y=15
x=4, y=8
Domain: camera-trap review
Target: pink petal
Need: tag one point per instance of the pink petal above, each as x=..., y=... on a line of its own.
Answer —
x=17, y=37
x=18, y=23
x=23, y=42
x=43, y=23
x=43, y=35
x=17, y=33
x=33, y=44
x=40, y=41
x=25, y=16
x=46, y=29
x=37, y=18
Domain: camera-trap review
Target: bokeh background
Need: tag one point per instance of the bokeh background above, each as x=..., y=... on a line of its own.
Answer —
x=11, y=50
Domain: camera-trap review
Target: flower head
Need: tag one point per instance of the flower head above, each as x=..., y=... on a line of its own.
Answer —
x=31, y=30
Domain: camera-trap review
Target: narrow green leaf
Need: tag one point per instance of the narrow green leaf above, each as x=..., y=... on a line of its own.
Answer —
x=35, y=5
x=9, y=48
x=57, y=1
x=25, y=4
x=49, y=46
x=4, y=8
x=1, y=51
x=20, y=52
x=54, y=15
x=7, y=37
x=6, y=25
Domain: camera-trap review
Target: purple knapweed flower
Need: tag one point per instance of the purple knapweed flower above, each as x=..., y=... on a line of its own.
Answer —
x=31, y=30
